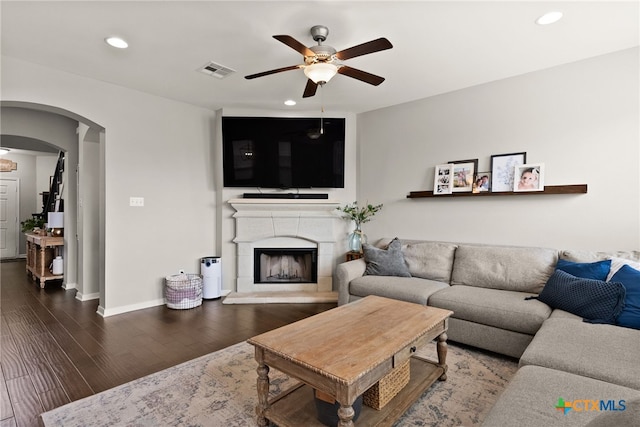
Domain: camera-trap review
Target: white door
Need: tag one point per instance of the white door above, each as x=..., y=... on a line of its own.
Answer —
x=8, y=218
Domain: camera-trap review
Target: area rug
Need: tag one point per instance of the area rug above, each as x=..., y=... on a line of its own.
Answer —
x=219, y=389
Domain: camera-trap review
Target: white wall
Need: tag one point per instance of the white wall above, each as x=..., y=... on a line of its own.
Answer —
x=580, y=119
x=88, y=214
x=154, y=148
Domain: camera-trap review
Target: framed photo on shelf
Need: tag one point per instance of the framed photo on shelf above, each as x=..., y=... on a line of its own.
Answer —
x=482, y=183
x=503, y=169
x=529, y=177
x=443, y=179
x=464, y=175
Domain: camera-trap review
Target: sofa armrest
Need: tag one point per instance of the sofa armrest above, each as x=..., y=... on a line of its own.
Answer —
x=345, y=273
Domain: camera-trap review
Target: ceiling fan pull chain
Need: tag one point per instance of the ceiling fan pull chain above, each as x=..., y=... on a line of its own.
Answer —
x=321, y=109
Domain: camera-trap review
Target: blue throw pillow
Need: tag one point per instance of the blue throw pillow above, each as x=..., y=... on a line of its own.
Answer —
x=630, y=315
x=587, y=270
x=594, y=300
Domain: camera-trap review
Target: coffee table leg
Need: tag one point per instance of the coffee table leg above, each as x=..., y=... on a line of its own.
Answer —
x=442, y=355
x=263, y=393
x=345, y=416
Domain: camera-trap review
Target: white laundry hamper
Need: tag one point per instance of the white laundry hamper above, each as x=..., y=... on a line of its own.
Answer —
x=183, y=291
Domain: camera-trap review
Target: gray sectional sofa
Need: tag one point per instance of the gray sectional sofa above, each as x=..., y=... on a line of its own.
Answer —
x=561, y=356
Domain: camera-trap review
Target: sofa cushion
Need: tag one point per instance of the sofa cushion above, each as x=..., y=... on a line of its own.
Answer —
x=594, y=300
x=533, y=393
x=604, y=352
x=617, y=263
x=493, y=307
x=630, y=314
x=385, y=262
x=589, y=270
x=510, y=268
x=430, y=260
x=490, y=338
x=411, y=289
x=628, y=417
x=591, y=256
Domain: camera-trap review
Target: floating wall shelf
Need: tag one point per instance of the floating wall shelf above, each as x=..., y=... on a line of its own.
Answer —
x=548, y=189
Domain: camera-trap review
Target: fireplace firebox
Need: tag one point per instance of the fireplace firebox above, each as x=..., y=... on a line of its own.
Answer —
x=285, y=265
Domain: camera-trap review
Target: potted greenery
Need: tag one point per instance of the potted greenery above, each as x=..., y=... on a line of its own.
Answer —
x=359, y=215
x=28, y=225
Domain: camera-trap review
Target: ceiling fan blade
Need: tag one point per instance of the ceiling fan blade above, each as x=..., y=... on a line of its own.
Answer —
x=310, y=89
x=364, y=49
x=295, y=44
x=372, y=79
x=277, y=70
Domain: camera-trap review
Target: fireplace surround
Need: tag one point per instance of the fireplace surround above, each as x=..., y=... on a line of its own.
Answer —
x=294, y=225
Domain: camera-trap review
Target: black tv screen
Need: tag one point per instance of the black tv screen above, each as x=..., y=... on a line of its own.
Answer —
x=275, y=152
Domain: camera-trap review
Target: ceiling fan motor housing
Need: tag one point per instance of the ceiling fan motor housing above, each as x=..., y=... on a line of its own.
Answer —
x=323, y=53
x=319, y=33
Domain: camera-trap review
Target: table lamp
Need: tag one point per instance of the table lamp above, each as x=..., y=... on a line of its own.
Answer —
x=56, y=223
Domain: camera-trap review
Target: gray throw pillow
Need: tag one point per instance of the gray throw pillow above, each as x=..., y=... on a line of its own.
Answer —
x=385, y=262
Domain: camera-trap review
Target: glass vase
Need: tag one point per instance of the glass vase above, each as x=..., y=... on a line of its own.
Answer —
x=357, y=239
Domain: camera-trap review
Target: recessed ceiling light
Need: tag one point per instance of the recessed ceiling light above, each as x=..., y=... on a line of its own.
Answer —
x=290, y=102
x=117, y=42
x=549, y=18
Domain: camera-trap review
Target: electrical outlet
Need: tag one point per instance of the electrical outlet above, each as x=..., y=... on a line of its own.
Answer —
x=181, y=271
x=136, y=201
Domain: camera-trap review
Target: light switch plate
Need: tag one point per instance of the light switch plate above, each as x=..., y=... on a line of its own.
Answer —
x=136, y=201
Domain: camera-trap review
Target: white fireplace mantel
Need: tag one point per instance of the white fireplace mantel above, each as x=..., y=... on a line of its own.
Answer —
x=284, y=223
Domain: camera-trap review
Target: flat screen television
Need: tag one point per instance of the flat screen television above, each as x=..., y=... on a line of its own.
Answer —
x=276, y=152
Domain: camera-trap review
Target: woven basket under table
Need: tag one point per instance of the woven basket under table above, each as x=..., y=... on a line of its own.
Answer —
x=386, y=389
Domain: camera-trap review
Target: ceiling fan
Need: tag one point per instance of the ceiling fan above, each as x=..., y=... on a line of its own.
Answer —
x=322, y=62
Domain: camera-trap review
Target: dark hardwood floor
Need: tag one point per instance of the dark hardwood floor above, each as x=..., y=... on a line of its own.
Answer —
x=56, y=349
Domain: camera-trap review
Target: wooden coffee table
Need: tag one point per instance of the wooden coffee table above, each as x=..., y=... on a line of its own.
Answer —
x=344, y=351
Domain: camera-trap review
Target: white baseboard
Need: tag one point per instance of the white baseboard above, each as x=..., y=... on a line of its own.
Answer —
x=86, y=297
x=68, y=286
x=127, y=308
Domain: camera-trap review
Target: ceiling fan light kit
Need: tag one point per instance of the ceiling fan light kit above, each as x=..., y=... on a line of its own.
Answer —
x=320, y=72
x=322, y=62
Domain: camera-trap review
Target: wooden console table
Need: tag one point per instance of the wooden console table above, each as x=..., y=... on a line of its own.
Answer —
x=41, y=250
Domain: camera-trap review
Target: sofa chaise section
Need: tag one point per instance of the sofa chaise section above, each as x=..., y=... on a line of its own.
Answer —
x=604, y=352
x=533, y=393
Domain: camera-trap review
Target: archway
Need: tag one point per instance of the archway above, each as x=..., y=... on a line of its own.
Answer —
x=84, y=199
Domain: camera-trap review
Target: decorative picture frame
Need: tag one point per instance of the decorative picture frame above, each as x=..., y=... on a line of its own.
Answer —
x=529, y=177
x=464, y=175
x=443, y=179
x=482, y=184
x=503, y=169
x=7, y=165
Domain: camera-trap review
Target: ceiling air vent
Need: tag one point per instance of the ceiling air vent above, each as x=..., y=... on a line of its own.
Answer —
x=216, y=70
